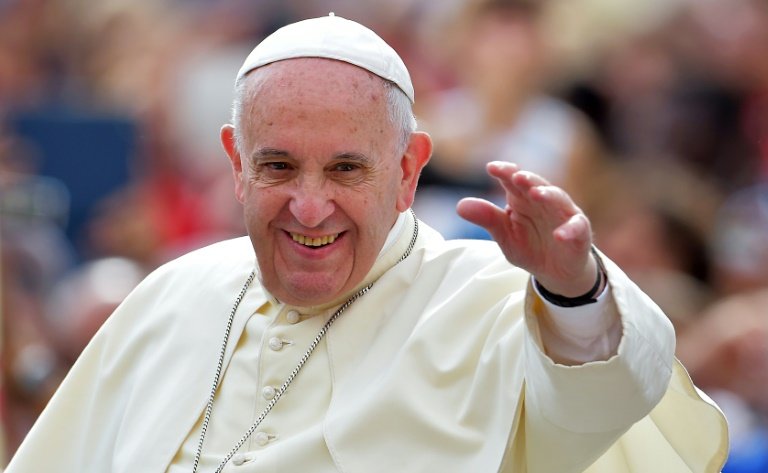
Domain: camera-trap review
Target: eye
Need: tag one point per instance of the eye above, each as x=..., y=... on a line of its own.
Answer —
x=269, y=171
x=348, y=172
x=277, y=166
x=346, y=167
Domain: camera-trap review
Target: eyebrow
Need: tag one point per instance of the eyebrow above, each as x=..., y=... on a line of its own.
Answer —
x=352, y=156
x=262, y=153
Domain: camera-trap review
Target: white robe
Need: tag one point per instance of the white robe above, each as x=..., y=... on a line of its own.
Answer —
x=438, y=368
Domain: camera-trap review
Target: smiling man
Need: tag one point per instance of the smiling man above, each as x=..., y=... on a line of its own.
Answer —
x=346, y=336
x=320, y=175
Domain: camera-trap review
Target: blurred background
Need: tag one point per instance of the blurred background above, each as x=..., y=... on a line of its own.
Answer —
x=653, y=115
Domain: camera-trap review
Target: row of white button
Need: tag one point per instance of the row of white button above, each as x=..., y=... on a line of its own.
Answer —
x=261, y=439
x=268, y=392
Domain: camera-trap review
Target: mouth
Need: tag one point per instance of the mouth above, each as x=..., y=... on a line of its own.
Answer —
x=314, y=242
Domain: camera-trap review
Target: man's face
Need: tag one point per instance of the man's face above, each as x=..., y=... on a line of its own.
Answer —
x=320, y=176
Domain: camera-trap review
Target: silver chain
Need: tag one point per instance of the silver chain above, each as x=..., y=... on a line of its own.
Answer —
x=219, y=366
x=279, y=393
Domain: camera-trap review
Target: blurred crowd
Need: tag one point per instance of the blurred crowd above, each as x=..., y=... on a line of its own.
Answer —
x=653, y=115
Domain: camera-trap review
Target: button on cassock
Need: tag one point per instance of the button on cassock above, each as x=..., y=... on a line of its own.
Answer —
x=292, y=316
x=261, y=438
x=275, y=344
x=268, y=392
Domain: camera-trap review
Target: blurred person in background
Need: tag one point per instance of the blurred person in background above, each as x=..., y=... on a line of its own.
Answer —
x=82, y=300
x=734, y=52
x=739, y=242
x=657, y=223
x=663, y=105
x=726, y=351
x=500, y=110
x=689, y=88
x=34, y=253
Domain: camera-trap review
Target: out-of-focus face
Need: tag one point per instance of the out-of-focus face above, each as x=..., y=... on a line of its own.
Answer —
x=505, y=49
x=320, y=175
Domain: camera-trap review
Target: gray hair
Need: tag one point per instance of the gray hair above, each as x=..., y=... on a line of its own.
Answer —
x=398, y=104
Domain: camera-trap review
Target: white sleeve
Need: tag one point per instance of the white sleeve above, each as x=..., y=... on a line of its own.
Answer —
x=576, y=335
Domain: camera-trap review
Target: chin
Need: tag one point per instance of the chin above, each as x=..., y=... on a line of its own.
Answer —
x=311, y=294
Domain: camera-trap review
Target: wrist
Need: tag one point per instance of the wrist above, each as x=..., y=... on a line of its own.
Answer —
x=589, y=297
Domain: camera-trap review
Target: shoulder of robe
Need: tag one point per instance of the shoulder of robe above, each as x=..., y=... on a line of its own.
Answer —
x=218, y=262
x=467, y=253
x=449, y=268
x=206, y=278
x=228, y=254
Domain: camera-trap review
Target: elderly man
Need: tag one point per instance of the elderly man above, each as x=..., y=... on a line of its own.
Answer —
x=357, y=339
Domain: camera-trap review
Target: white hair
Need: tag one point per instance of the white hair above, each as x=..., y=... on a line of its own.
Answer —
x=398, y=104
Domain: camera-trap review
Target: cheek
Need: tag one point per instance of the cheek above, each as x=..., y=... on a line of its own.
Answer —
x=261, y=206
x=379, y=210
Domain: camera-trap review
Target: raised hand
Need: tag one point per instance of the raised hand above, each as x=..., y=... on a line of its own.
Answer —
x=540, y=230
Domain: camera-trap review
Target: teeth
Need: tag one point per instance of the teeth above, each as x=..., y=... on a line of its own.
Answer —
x=309, y=241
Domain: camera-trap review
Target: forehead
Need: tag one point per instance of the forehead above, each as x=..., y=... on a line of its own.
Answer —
x=306, y=96
x=316, y=81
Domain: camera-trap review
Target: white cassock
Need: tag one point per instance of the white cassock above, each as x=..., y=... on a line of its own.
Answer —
x=441, y=366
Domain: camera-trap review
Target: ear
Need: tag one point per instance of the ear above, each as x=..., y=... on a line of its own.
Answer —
x=412, y=162
x=230, y=146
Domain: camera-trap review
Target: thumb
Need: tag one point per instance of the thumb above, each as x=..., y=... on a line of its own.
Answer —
x=482, y=213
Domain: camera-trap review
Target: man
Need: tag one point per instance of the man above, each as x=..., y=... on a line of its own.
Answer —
x=359, y=340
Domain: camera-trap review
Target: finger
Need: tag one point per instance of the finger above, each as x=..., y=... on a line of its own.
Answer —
x=504, y=173
x=517, y=184
x=552, y=196
x=500, y=169
x=507, y=171
x=554, y=215
x=528, y=180
x=576, y=232
x=481, y=212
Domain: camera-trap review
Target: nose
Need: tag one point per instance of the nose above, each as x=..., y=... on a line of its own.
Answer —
x=311, y=204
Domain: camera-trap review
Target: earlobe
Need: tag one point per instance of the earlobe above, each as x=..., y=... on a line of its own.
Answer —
x=412, y=162
x=229, y=142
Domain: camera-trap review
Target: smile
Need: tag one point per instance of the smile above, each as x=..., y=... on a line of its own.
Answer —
x=314, y=242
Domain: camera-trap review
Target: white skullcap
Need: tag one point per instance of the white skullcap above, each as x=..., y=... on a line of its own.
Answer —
x=331, y=37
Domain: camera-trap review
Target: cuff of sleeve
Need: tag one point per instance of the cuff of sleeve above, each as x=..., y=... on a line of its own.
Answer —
x=575, y=335
x=584, y=321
